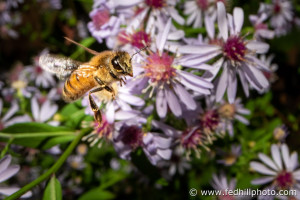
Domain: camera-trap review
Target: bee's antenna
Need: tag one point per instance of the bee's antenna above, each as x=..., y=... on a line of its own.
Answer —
x=87, y=49
x=138, y=52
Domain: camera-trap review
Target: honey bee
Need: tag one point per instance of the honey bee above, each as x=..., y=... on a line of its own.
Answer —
x=103, y=69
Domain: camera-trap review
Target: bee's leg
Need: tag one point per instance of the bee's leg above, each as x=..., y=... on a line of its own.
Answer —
x=108, y=88
x=94, y=107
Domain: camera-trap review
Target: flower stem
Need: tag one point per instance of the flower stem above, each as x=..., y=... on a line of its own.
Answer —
x=34, y=135
x=52, y=170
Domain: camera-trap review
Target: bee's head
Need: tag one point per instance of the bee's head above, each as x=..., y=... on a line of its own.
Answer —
x=122, y=63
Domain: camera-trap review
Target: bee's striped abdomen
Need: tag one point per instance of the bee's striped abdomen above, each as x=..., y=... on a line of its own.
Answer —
x=80, y=82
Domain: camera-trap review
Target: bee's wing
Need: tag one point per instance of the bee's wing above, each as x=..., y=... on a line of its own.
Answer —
x=59, y=65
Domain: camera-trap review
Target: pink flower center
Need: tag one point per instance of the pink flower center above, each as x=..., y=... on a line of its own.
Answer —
x=131, y=135
x=140, y=39
x=202, y=4
x=159, y=68
x=234, y=48
x=277, y=8
x=100, y=18
x=191, y=137
x=155, y=3
x=104, y=130
x=284, y=180
x=38, y=70
x=210, y=120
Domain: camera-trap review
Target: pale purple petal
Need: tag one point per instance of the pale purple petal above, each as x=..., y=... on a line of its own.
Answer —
x=285, y=155
x=195, y=79
x=238, y=17
x=211, y=74
x=133, y=100
x=255, y=76
x=160, y=43
x=124, y=115
x=258, y=47
x=296, y=174
x=268, y=161
x=241, y=119
x=173, y=102
x=110, y=112
x=127, y=3
x=4, y=162
x=199, y=49
x=165, y=153
x=276, y=155
x=194, y=87
x=185, y=97
x=13, y=109
x=262, y=181
x=210, y=28
x=1, y=106
x=222, y=84
x=293, y=161
x=199, y=59
x=9, y=172
x=35, y=109
x=174, y=14
x=222, y=21
x=232, y=86
x=161, y=104
x=47, y=111
x=262, y=168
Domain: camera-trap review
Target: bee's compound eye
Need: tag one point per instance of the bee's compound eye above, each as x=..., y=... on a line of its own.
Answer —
x=115, y=63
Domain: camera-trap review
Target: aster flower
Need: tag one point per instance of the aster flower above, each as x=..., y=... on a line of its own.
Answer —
x=261, y=28
x=210, y=120
x=178, y=163
x=104, y=24
x=158, y=73
x=220, y=183
x=280, y=133
x=158, y=10
x=76, y=162
x=280, y=170
x=7, y=171
x=43, y=111
x=280, y=13
x=236, y=56
x=7, y=119
x=102, y=132
x=267, y=61
x=197, y=10
x=191, y=139
x=230, y=112
x=130, y=135
x=229, y=158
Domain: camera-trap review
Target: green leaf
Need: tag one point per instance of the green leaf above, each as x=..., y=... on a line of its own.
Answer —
x=53, y=190
x=97, y=194
x=111, y=178
x=32, y=134
x=33, y=127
